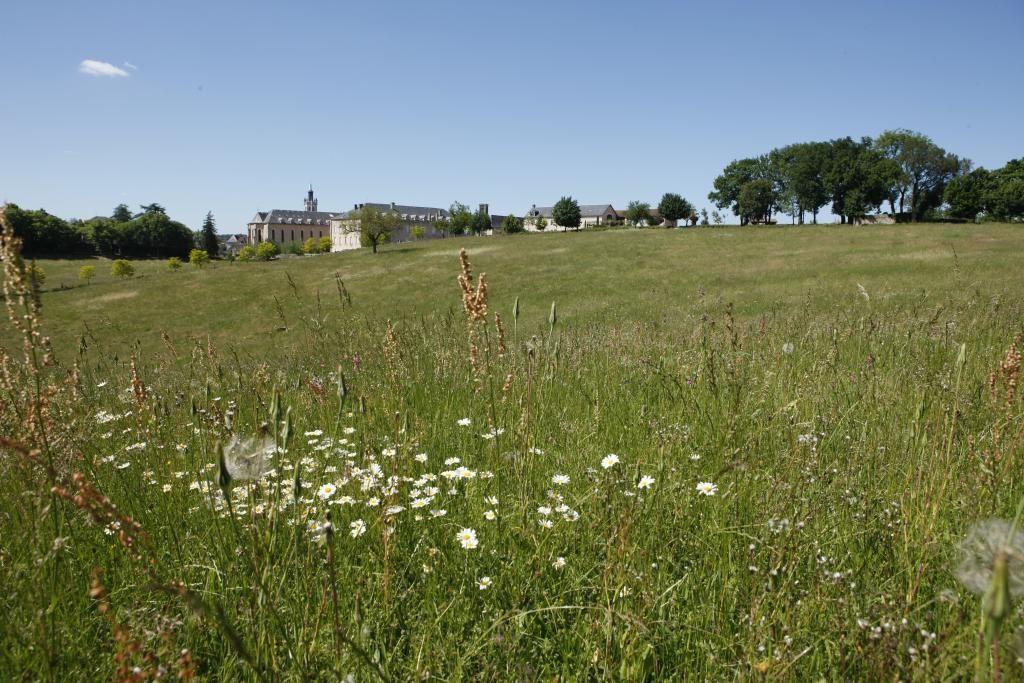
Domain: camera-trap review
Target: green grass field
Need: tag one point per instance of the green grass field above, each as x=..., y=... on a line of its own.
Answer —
x=733, y=454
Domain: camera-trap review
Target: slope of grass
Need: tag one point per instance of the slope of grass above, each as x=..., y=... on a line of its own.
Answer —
x=606, y=278
x=847, y=396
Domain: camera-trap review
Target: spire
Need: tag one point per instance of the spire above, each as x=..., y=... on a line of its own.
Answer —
x=310, y=203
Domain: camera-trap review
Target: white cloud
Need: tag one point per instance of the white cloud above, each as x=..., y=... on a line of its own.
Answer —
x=93, y=67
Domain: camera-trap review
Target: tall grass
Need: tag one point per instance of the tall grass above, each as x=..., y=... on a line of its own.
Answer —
x=194, y=513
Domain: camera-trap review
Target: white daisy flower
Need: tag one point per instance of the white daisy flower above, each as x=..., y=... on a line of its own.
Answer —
x=357, y=528
x=560, y=479
x=484, y=583
x=465, y=422
x=559, y=562
x=609, y=461
x=467, y=539
x=645, y=482
x=706, y=488
x=326, y=491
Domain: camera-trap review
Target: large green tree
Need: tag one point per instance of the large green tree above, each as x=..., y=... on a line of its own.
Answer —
x=638, y=213
x=728, y=185
x=460, y=219
x=47, y=235
x=481, y=222
x=566, y=213
x=968, y=195
x=756, y=201
x=924, y=170
x=512, y=224
x=375, y=226
x=121, y=214
x=208, y=239
x=673, y=208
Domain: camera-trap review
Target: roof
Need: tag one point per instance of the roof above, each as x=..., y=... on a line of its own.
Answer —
x=407, y=212
x=586, y=210
x=288, y=216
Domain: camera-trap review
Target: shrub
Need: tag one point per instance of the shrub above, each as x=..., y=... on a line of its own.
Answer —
x=36, y=275
x=198, y=258
x=291, y=248
x=417, y=232
x=246, y=253
x=311, y=246
x=122, y=268
x=86, y=273
x=266, y=251
x=325, y=245
x=174, y=263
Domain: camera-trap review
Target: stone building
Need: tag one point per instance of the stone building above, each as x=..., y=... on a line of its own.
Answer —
x=590, y=215
x=344, y=228
x=281, y=226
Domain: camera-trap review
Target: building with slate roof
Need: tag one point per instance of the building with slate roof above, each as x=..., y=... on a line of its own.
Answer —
x=590, y=215
x=345, y=227
x=281, y=226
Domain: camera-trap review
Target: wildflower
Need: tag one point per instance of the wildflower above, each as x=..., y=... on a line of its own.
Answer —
x=420, y=503
x=706, y=488
x=465, y=422
x=167, y=488
x=438, y=513
x=484, y=583
x=560, y=479
x=491, y=500
x=452, y=461
x=357, y=528
x=559, y=562
x=326, y=491
x=394, y=510
x=609, y=461
x=645, y=482
x=467, y=539
x=544, y=510
x=535, y=451
x=349, y=430
x=490, y=515
x=546, y=523
x=315, y=432
x=420, y=457
x=493, y=433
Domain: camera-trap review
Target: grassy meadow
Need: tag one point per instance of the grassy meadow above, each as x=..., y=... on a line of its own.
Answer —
x=723, y=454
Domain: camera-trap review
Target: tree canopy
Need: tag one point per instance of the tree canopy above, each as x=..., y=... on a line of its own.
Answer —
x=566, y=213
x=673, y=207
x=638, y=213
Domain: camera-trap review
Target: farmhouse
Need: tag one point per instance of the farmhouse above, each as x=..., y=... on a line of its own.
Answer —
x=281, y=226
x=344, y=228
x=590, y=215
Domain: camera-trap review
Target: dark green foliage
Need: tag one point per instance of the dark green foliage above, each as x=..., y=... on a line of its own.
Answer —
x=998, y=194
x=208, y=240
x=512, y=224
x=460, y=221
x=756, y=201
x=967, y=195
x=673, y=207
x=43, y=234
x=638, y=213
x=566, y=213
x=481, y=223
x=923, y=169
x=121, y=214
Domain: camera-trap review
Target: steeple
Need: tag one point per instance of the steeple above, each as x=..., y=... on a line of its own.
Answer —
x=310, y=203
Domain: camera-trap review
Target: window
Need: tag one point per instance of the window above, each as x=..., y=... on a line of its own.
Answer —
x=272, y=238
x=293, y=235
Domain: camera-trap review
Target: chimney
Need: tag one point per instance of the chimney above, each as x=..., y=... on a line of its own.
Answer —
x=392, y=206
x=485, y=209
x=355, y=207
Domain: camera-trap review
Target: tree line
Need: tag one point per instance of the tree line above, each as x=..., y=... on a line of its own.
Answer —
x=900, y=168
x=149, y=232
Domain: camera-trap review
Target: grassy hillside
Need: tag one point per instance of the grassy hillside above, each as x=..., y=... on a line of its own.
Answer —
x=604, y=278
x=736, y=454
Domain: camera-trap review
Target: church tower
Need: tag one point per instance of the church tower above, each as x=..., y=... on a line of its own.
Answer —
x=310, y=202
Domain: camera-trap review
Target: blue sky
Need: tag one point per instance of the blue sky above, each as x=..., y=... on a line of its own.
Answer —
x=234, y=107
